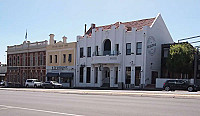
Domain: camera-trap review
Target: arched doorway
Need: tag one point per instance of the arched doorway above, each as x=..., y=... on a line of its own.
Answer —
x=107, y=47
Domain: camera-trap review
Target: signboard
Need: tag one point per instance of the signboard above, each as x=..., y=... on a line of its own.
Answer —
x=151, y=45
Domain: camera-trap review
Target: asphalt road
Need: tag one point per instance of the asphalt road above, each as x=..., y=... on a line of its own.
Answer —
x=25, y=103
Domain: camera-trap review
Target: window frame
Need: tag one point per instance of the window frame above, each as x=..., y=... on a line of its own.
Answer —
x=128, y=51
x=138, y=48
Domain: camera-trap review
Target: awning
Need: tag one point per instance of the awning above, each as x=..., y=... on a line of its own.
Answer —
x=67, y=75
x=52, y=74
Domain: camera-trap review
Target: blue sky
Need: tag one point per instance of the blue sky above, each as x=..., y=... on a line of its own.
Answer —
x=67, y=17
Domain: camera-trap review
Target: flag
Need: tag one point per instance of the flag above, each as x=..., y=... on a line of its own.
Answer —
x=26, y=36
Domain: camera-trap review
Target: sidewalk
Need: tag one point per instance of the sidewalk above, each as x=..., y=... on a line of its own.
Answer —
x=133, y=93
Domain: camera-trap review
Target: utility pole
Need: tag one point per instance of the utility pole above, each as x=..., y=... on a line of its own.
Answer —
x=195, y=65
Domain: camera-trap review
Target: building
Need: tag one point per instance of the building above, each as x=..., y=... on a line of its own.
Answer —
x=123, y=54
x=3, y=70
x=61, y=61
x=26, y=61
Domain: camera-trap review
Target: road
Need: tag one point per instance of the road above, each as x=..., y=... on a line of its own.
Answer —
x=27, y=103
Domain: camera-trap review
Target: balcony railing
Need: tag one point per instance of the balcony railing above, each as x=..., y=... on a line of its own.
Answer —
x=106, y=53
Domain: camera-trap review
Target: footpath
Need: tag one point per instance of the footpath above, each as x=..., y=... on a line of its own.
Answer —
x=133, y=93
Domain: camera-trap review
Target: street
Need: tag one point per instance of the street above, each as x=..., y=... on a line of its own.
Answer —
x=23, y=103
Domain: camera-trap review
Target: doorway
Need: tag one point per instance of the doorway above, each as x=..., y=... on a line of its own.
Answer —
x=154, y=75
x=137, y=76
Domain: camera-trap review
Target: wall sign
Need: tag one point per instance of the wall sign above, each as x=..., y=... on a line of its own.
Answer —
x=151, y=45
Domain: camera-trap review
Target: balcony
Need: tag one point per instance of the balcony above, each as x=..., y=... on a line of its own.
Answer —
x=106, y=57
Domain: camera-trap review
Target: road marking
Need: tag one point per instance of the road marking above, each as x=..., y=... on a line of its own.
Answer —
x=38, y=110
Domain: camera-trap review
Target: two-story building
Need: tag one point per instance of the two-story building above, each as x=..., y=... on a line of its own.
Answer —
x=26, y=61
x=60, y=60
x=123, y=54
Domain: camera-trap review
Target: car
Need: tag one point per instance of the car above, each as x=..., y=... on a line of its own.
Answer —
x=2, y=83
x=33, y=83
x=51, y=84
x=179, y=85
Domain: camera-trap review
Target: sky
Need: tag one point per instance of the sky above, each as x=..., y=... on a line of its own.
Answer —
x=68, y=17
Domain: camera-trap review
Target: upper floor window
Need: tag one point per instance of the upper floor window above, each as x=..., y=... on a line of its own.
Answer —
x=31, y=59
x=81, y=52
x=64, y=58
x=128, y=49
x=56, y=59
x=10, y=61
x=36, y=59
x=41, y=58
x=50, y=59
x=24, y=60
x=88, y=51
x=70, y=58
x=18, y=60
x=139, y=48
x=14, y=61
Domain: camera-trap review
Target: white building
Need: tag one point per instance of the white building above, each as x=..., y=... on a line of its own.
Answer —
x=124, y=54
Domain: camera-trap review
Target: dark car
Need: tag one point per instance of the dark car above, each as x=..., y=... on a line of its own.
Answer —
x=51, y=84
x=179, y=85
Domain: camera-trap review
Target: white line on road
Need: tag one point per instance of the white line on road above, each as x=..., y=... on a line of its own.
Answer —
x=38, y=110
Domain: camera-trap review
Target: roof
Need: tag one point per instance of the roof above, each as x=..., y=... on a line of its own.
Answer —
x=138, y=24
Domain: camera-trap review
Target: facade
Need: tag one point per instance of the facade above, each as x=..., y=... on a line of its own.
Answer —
x=26, y=61
x=3, y=70
x=123, y=55
x=61, y=61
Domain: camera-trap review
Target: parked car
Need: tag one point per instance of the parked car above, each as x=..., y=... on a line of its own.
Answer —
x=179, y=85
x=2, y=83
x=33, y=83
x=51, y=84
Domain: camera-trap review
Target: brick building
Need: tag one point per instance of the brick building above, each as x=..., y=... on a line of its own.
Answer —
x=27, y=60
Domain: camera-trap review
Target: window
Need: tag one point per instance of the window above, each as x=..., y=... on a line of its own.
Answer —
x=64, y=58
x=96, y=51
x=116, y=49
x=36, y=59
x=88, y=51
x=24, y=60
x=31, y=59
x=18, y=60
x=56, y=58
x=116, y=75
x=96, y=75
x=81, y=52
x=70, y=58
x=139, y=48
x=128, y=48
x=50, y=59
x=166, y=52
x=14, y=61
x=10, y=61
x=128, y=75
x=41, y=58
x=88, y=75
x=81, y=74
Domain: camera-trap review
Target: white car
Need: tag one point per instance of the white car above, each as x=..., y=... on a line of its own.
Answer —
x=33, y=83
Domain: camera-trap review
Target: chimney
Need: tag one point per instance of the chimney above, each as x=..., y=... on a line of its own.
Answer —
x=64, y=39
x=51, y=40
x=85, y=28
x=92, y=25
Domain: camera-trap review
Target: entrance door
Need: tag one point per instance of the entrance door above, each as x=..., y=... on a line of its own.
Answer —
x=137, y=76
x=106, y=77
x=154, y=75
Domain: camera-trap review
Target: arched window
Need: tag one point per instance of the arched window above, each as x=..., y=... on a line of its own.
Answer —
x=107, y=47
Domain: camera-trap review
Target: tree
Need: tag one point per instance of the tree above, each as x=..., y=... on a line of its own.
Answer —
x=181, y=57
